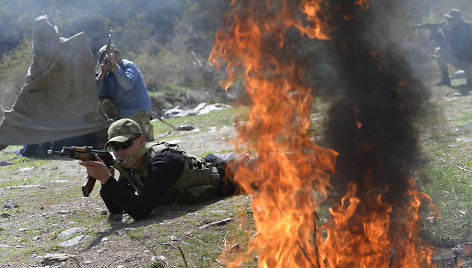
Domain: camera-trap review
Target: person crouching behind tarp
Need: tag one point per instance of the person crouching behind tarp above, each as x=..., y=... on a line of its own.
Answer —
x=154, y=173
x=455, y=47
x=121, y=87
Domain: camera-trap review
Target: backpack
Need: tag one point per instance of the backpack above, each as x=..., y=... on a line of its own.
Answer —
x=198, y=181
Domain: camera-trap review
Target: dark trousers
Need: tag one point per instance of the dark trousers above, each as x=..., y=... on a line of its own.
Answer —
x=445, y=57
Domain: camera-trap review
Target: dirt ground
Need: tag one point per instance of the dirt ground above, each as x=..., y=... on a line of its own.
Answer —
x=49, y=201
x=37, y=211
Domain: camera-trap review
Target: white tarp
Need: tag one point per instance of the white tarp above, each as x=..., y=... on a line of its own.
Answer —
x=59, y=98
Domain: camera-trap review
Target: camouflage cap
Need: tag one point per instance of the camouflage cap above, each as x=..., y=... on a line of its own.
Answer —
x=122, y=130
x=454, y=14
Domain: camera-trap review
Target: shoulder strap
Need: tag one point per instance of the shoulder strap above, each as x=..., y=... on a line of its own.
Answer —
x=126, y=175
x=118, y=164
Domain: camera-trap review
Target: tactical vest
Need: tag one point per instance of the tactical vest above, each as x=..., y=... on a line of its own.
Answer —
x=198, y=181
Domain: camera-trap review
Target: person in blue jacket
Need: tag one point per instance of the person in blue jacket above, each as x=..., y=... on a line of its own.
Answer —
x=120, y=81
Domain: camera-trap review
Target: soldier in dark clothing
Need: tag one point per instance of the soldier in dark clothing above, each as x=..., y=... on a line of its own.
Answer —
x=152, y=173
x=455, y=46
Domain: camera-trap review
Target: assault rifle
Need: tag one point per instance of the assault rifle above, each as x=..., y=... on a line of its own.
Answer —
x=432, y=27
x=85, y=153
x=108, y=47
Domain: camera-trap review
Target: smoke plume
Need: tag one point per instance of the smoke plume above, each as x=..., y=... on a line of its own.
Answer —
x=371, y=125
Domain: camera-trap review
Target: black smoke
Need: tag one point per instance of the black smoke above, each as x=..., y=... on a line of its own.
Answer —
x=372, y=123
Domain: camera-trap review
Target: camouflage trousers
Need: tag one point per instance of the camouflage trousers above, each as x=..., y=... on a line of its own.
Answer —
x=141, y=117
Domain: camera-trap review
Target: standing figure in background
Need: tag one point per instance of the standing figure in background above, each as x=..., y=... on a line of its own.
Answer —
x=455, y=47
x=121, y=85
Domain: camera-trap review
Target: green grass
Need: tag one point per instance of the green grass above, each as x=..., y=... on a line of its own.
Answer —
x=19, y=182
x=219, y=118
x=168, y=89
x=446, y=177
x=7, y=155
x=458, y=82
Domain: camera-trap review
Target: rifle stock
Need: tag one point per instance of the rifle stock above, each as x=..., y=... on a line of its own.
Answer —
x=85, y=153
x=435, y=29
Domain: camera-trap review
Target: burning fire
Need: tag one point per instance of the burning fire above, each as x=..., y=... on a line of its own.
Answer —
x=364, y=235
x=364, y=230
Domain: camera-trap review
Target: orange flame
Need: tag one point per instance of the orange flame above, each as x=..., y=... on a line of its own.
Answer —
x=370, y=245
x=290, y=167
x=321, y=29
x=360, y=237
x=364, y=4
x=289, y=164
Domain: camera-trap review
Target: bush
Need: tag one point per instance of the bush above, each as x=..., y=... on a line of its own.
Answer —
x=13, y=68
